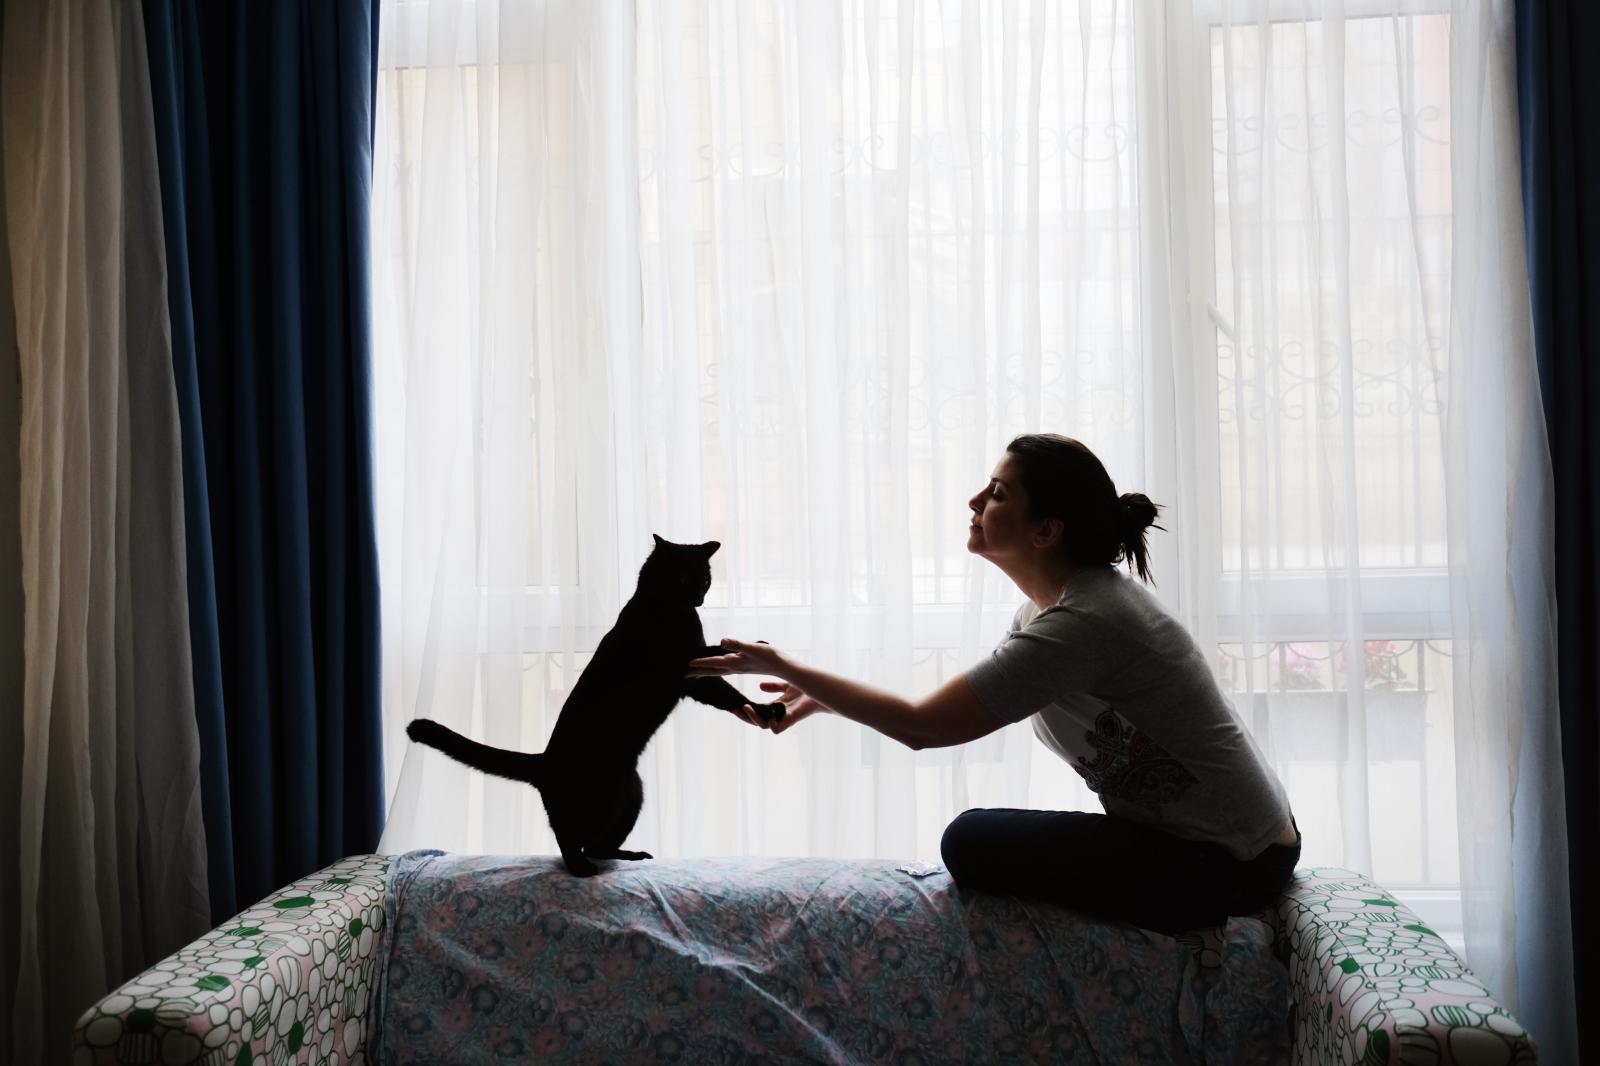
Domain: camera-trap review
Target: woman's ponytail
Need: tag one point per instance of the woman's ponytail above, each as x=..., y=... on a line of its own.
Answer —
x=1136, y=514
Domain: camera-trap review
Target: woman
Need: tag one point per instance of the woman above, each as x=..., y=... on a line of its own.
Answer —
x=1196, y=827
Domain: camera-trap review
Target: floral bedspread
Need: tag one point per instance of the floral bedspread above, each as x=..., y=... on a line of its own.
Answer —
x=730, y=960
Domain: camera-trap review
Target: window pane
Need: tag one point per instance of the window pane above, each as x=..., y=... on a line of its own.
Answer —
x=1382, y=754
x=1332, y=240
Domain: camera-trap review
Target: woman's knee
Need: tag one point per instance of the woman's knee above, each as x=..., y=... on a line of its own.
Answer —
x=961, y=842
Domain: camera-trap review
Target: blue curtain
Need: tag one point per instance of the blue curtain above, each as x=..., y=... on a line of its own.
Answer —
x=1558, y=79
x=264, y=131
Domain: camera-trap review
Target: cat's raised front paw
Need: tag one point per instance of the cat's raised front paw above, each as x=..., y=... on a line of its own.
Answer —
x=770, y=712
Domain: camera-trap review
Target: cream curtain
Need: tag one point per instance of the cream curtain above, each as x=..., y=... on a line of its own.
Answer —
x=111, y=871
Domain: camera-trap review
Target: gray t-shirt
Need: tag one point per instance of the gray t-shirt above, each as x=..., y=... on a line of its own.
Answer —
x=1117, y=687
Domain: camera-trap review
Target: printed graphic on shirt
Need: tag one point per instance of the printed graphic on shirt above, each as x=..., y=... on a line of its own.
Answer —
x=1130, y=766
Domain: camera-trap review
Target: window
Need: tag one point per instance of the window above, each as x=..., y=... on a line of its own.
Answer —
x=789, y=275
x=1331, y=249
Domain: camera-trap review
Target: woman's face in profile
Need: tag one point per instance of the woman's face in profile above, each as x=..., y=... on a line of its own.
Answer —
x=1000, y=523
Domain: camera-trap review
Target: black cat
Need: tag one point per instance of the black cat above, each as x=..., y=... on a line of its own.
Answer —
x=587, y=774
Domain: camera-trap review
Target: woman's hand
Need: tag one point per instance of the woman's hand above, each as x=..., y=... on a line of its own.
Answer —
x=951, y=715
x=797, y=705
x=760, y=658
x=740, y=658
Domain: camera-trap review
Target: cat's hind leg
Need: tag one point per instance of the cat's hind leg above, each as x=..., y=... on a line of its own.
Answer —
x=607, y=843
x=571, y=824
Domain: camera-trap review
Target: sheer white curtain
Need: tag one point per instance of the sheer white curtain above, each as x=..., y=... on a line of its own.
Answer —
x=506, y=292
x=789, y=274
x=103, y=795
x=785, y=275
x=876, y=242
x=1359, y=394
x=1502, y=573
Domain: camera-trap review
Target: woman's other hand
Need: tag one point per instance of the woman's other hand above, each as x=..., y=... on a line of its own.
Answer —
x=740, y=658
x=760, y=658
x=796, y=704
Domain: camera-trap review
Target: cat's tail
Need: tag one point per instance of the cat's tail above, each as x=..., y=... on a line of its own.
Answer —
x=517, y=765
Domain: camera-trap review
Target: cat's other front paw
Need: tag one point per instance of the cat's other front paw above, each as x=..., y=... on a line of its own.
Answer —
x=618, y=853
x=770, y=712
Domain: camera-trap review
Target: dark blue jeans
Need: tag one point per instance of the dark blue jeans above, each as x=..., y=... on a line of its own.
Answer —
x=1111, y=867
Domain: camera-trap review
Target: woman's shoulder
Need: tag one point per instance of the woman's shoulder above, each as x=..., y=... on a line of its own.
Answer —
x=1099, y=598
x=1098, y=589
x=1118, y=604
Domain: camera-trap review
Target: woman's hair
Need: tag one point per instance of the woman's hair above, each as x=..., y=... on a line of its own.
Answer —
x=1064, y=479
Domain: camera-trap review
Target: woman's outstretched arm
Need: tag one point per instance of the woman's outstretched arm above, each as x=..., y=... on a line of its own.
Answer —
x=951, y=714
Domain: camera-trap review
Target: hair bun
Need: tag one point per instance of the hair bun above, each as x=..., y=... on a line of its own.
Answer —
x=1138, y=513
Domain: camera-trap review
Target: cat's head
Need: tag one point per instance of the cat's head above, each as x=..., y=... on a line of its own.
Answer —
x=678, y=573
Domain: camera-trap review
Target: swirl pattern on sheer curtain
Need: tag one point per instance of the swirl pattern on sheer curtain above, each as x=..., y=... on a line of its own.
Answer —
x=783, y=275
x=790, y=274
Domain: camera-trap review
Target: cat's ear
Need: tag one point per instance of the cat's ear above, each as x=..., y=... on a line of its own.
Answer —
x=710, y=547
x=659, y=541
